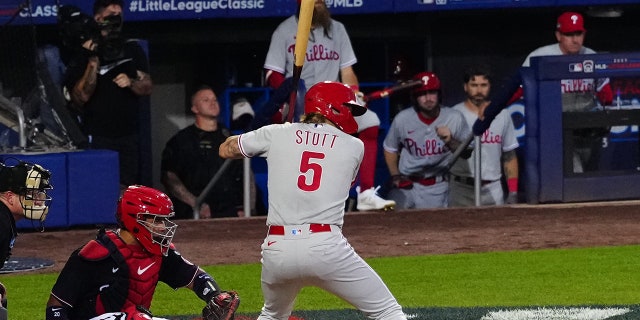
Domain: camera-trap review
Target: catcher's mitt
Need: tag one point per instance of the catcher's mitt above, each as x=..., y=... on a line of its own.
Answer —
x=221, y=307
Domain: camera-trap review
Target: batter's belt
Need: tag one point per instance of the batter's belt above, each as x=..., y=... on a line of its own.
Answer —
x=313, y=228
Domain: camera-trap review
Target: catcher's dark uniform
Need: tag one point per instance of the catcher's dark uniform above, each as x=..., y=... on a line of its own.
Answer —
x=107, y=275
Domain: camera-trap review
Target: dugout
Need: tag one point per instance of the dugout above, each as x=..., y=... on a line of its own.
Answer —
x=548, y=169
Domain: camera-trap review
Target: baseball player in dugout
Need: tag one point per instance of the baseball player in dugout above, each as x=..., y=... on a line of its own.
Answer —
x=330, y=57
x=23, y=195
x=497, y=144
x=115, y=275
x=419, y=147
x=578, y=94
x=316, y=162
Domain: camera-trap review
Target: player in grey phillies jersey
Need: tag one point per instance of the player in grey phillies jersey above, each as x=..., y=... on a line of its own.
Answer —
x=578, y=94
x=419, y=146
x=311, y=165
x=329, y=57
x=497, y=145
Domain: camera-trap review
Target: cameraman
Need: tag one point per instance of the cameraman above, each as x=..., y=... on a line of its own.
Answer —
x=104, y=82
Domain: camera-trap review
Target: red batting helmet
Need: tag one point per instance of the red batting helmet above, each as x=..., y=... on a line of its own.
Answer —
x=430, y=82
x=337, y=102
x=144, y=212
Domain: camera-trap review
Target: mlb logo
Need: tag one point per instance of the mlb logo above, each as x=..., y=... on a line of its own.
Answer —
x=425, y=1
x=442, y=2
x=588, y=65
x=575, y=67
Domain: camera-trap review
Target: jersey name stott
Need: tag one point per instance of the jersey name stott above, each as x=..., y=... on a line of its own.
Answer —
x=431, y=147
x=576, y=85
x=307, y=137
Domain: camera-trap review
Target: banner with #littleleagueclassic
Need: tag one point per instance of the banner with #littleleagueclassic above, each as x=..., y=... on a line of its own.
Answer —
x=19, y=12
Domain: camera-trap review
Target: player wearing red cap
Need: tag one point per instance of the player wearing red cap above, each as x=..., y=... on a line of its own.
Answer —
x=419, y=146
x=578, y=94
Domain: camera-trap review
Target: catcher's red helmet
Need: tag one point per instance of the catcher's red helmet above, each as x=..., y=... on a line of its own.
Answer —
x=337, y=102
x=144, y=212
x=430, y=82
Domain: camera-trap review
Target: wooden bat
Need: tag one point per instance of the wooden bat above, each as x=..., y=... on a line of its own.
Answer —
x=302, y=37
x=386, y=92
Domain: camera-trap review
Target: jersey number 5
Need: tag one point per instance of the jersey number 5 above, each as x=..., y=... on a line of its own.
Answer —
x=307, y=165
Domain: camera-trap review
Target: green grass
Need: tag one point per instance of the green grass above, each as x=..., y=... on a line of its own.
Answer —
x=591, y=276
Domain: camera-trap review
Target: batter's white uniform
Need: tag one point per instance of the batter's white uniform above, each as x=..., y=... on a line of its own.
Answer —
x=325, y=57
x=577, y=95
x=499, y=138
x=422, y=154
x=311, y=168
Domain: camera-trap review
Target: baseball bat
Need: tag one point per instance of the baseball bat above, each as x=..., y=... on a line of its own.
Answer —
x=461, y=148
x=212, y=182
x=389, y=91
x=302, y=38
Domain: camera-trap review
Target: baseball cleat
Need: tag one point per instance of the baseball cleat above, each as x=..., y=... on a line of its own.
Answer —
x=370, y=200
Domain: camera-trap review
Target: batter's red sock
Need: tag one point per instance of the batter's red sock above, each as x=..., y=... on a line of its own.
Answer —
x=369, y=137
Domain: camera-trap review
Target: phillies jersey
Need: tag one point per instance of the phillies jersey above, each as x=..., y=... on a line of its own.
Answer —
x=499, y=138
x=422, y=152
x=311, y=168
x=324, y=58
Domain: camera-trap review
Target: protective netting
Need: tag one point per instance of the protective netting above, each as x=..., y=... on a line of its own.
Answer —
x=33, y=114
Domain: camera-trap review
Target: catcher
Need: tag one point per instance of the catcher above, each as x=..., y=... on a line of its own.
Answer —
x=115, y=275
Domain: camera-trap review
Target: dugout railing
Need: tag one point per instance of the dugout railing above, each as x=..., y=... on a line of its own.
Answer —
x=547, y=155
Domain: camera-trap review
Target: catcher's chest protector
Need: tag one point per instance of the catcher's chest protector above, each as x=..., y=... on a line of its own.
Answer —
x=144, y=270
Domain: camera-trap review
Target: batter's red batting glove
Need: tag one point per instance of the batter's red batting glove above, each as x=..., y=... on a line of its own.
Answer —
x=401, y=181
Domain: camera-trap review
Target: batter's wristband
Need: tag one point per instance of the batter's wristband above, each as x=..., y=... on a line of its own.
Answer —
x=354, y=87
x=512, y=184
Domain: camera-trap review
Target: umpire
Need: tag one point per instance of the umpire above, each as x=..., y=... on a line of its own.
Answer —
x=23, y=194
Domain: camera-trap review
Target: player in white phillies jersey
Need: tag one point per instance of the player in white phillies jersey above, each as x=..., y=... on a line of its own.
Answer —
x=497, y=145
x=419, y=146
x=329, y=57
x=311, y=166
x=578, y=94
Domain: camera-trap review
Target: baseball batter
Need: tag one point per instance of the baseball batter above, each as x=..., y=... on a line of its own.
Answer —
x=578, y=94
x=330, y=57
x=419, y=146
x=498, y=144
x=312, y=165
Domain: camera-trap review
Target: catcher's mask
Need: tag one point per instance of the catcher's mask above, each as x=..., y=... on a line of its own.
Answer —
x=145, y=212
x=30, y=182
x=336, y=102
